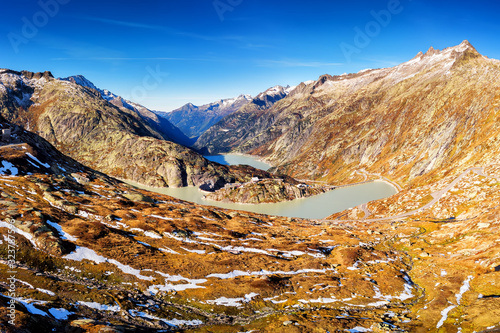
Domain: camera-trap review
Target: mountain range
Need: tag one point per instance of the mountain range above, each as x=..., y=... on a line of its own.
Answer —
x=170, y=132
x=90, y=253
x=105, y=132
x=193, y=120
x=426, y=117
x=221, y=136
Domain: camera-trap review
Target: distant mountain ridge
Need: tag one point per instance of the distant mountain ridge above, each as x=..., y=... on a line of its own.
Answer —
x=193, y=120
x=121, y=142
x=221, y=136
x=437, y=112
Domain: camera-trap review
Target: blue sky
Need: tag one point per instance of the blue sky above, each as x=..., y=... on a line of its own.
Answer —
x=164, y=53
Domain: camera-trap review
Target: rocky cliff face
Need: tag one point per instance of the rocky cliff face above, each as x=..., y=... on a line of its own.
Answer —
x=265, y=191
x=433, y=114
x=159, y=124
x=233, y=130
x=119, y=141
x=194, y=120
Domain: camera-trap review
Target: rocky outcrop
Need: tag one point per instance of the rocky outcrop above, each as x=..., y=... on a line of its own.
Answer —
x=265, y=191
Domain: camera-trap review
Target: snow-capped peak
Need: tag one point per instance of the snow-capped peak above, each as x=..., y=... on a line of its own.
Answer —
x=274, y=90
x=245, y=97
x=231, y=101
x=82, y=81
x=105, y=94
x=289, y=89
x=463, y=46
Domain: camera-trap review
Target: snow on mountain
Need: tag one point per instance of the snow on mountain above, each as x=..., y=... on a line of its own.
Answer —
x=290, y=89
x=162, y=125
x=106, y=94
x=432, y=63
x=20, y=87
x=276, y=90
x=194, y=120
x=82, y=81
x=232, y=101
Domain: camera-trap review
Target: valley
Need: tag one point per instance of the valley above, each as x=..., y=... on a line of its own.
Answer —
x=318, y=206
x=105, y=229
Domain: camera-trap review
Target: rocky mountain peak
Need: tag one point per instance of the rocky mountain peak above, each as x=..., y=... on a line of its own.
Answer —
x=244, y=97
x=322, y=79
x=431, y=51
x=464, y=47
x=273, y=90
x=466, y=44
x=81, y=80
x=30, y=75
x=418, y=56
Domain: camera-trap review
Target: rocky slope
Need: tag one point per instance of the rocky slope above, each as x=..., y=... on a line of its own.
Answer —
x=161, y=125
x=95, y=255
x=434, y=114
x=119, y=141
x=231, y=130
x=194, y=120
x=265, y=191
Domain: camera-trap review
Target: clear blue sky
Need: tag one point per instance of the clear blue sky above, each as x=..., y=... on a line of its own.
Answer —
x=218, y=49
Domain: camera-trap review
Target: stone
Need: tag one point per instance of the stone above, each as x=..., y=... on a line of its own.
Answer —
x=137, y=197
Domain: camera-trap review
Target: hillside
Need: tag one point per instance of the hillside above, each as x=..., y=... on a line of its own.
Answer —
x=161, y=125
x=435, y=114
x=125, y=142
x=95, y=255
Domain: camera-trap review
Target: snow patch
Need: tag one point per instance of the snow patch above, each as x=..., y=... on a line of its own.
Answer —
x=444, y=315
x=151, y=234
x=233, y=302
x=359, y=329
x=191, y=284
x=38, y=161
x=171, y=322
x=194, y=251
x=100, y=307
x=85, y=253
x=236, y=273
x=45, y=291
x=64, y=235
